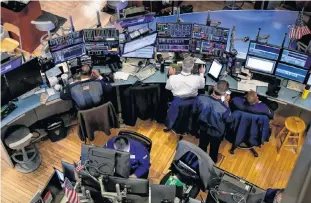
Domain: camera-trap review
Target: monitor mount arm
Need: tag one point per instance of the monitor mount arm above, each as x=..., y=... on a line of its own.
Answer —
x=263, y=38
x=233, y=39
x=209, y=20
x=114, y=197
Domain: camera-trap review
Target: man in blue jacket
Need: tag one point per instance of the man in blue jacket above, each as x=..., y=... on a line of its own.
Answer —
x=251, y=104
x=213, y=113
x=89, y=91
x=139, y=156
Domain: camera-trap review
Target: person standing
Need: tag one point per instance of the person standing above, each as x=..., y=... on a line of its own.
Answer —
x=213, y=113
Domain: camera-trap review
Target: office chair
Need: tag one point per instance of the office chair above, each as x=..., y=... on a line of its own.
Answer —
x=233, y=5
x=18, y=138
x=138, y=137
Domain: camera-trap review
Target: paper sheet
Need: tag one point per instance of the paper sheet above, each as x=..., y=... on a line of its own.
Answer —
x=50, y=91
x=246, y=85
x=121, y=76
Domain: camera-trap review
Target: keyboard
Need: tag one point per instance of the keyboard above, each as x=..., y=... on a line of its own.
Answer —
x=295, y=86
x=265, y=78
x=145, y=72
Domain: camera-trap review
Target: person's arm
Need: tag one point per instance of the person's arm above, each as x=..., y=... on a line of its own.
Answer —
x=65, y=93
x=106, y=86
x=227, y=118
x=201, y=79
x=237, y=104
x=168, y=85
x=144, y=162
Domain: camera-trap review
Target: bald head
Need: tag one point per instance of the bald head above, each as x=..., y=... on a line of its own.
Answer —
x=252, y=97
x=86, y=70
x=187, y=64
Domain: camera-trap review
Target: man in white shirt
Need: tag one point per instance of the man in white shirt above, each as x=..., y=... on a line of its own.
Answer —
x=185, y=84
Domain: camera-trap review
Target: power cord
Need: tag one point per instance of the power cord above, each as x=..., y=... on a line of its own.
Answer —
x=238, y=198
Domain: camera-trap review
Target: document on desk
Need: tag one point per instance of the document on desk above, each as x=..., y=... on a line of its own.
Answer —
x=121, y=75
x=247, y=85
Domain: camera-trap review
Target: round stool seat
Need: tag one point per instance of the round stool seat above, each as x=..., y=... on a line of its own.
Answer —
x=295, y=124
x=19, y=138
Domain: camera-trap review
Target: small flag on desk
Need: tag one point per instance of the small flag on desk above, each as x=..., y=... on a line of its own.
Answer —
x=79, y=167
x=70, y=192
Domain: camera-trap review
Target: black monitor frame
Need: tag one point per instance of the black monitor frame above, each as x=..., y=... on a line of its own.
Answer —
x=292, y=50
x=261, y=43
x=135, y=186
x=140, y=39
x=304, y=81
x=262, y=72
x=141, y=57
x=181, y=23
x=210, y=75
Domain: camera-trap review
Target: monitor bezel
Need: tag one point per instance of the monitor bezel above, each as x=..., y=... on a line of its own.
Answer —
x=272, y=45
x=210, y=75
x=304, y=81
x=251, y=69
x=288, y=49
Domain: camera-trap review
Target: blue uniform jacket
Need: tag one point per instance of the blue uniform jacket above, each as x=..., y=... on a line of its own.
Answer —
x=240, y=103
x=179, y=114
x=246, y=127
x=212, y=114
x=139, y=156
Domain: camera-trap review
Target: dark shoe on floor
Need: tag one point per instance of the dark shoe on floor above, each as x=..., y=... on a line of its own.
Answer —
x=166, y=130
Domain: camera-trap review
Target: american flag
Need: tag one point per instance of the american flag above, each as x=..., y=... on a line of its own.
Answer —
x=79, y=166
x=70, y=192
x=299, y=29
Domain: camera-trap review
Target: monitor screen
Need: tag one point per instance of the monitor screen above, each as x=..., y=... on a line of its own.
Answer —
x=132, y=21
x=5, y=92
x=140, y=43
x=138, y=186
x=24, y=78
x=296, y=58
x=260, y=64
x=291, y=72
x=215, y=69
x=146, y=52
x=63, y=42
x=173, y=44
x=309, y=80
x=264, y=50
x=173, y=30
x=11, y=64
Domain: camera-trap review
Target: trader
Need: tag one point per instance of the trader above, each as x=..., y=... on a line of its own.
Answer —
x=212, y=112
x=139, y=156
x=89, y=91
x=185, y=84
x=250, y=103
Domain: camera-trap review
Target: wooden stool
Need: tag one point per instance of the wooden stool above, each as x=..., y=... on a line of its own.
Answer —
x=295, y=128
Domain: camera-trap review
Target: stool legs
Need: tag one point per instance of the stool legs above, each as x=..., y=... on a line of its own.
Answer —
x=284, y=141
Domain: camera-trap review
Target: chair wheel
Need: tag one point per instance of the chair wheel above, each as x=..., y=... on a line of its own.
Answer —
x=231, y=151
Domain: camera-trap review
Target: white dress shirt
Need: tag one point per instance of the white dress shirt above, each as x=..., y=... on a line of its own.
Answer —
x=185, y=84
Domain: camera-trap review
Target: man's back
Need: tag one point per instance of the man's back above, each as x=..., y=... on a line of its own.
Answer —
x=213, y=114
x=185, y=85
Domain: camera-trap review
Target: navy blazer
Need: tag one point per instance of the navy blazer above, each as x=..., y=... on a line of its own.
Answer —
x=247, y=127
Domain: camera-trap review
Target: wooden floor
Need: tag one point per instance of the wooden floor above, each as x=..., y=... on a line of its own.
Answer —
x=266, y=171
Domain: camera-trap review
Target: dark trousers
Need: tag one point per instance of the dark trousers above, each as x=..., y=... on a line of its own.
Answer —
x=205, y=140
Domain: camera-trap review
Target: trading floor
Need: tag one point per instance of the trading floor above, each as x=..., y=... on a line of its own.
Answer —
x=155, y=102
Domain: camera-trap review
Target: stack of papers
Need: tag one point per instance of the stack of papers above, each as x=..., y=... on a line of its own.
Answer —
x=247, y=85
x=121, y=75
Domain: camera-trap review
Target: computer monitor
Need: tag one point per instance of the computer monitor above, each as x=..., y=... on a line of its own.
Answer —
x=296, y=58
x=173, y=44
x=137, y=20
x=291, y=72
x=6, y=96
x=174, y=30
x=264, y=50
x=24, y=78
x=146, y=52
x=260, y=64
x=309, y=80
x=139, y=43
x=11, y=64
x=215, y=70
x=135, y=185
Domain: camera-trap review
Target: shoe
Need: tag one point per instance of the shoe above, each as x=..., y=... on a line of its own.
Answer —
x=166, y=130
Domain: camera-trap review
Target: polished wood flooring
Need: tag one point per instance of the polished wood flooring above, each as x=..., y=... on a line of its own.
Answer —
x=269, y=170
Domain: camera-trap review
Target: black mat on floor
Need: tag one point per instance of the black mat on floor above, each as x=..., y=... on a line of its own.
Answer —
x=57, y=20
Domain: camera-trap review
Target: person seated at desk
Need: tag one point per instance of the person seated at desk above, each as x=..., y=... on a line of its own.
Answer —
x=213, y=113
x=89, y=91
x=139, y=156
x=185, y=84
x=251, y=104
x=274, y=195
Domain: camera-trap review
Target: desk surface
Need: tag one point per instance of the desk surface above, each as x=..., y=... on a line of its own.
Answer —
x=285, y=95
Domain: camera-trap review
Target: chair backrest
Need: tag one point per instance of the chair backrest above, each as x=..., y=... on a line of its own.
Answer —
x=43, y=25
x=11, y=28
x=138, y=137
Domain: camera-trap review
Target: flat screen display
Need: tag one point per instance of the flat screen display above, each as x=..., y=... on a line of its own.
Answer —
x=215, y=69
x=24, y=78
x=296, y=58
x=291, y=72
x=140, y=43
x=5, y=92
x=260, y=64
x=264, y=50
